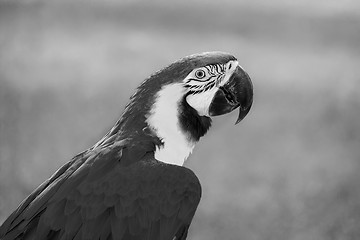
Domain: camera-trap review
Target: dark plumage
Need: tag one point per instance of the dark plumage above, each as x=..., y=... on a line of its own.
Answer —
x=196, y=126
x=95, y=197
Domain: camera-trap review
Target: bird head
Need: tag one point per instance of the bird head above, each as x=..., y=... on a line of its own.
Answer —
x=177, y=102
x=218, y=88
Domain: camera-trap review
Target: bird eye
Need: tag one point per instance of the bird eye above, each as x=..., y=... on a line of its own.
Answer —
x=200, y=74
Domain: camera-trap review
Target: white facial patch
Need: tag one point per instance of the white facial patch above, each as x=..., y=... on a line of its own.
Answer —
x=163, y=119
x=204, y=82
x=201, y=101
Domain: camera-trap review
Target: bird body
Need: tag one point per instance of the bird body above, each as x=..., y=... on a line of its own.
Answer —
x=131, y=185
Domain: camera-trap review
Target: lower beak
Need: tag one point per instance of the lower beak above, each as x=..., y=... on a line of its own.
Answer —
x=236, y=93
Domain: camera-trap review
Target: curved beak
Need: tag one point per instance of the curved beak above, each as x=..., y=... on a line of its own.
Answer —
x=236, y=93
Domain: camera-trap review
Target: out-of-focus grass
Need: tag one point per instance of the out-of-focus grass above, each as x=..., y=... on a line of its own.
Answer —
x=288, y=171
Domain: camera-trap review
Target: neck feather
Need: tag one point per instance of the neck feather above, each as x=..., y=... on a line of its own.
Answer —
x=176, y=124
x=164, y=121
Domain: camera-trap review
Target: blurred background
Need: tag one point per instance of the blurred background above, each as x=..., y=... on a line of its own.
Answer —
x=289, y=171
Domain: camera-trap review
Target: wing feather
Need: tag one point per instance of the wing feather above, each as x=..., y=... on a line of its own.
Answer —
x=94, y=196
x=72, y=225
x=118, y=226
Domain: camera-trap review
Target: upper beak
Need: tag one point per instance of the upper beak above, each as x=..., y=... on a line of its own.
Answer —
x=235, y=93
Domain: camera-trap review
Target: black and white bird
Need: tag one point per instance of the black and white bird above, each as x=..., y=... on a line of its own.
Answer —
x=132, y=185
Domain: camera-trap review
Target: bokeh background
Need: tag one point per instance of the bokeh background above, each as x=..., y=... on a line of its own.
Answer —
x=289, y=171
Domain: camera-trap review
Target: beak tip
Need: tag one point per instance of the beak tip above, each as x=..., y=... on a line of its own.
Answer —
x=242, y=113
x=238, y=120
